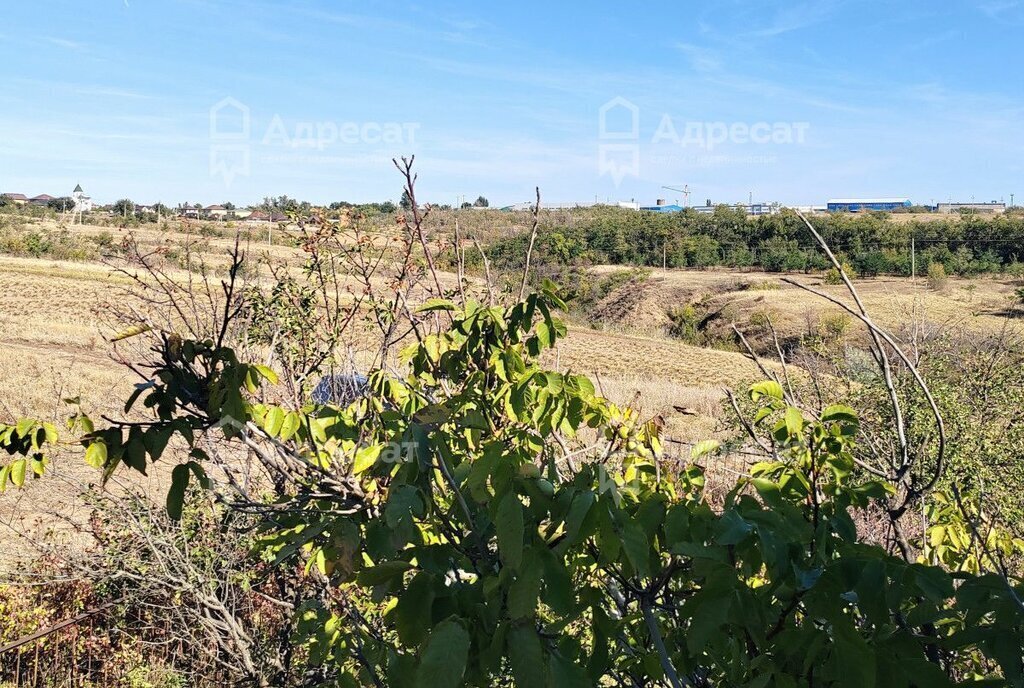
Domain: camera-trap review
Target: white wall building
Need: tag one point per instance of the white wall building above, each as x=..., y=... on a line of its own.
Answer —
x=83, y=204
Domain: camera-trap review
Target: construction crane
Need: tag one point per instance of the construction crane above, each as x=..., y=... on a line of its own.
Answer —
x=684, y=189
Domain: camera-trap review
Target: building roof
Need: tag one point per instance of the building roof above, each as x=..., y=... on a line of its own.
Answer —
x=16, y=197
x=262, y=216
x=78, y=189
x=215, y=207
x=42, y=197
x=973, y=203
x=868, y=200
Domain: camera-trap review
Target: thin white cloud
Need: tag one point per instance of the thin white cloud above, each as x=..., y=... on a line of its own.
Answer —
x=701, y=59
x=795, y=17
x=112, y=92
x=65, y=43
x=997, y=9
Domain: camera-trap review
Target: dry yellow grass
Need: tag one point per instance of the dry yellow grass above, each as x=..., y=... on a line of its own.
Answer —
x=614, y=354
x=977, y=304
x=53, y=344
x=691, y=412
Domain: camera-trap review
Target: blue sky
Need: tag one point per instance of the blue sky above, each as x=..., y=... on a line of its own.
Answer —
x=916, y=99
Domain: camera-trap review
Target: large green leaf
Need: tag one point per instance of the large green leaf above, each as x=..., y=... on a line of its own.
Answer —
x=854, y=660
x=383, y=572
x=508, y=522
x=412, y=613
x=526, y=656
x=567, y=674
x=444, y=659
x=523, y=594
x=637, y=547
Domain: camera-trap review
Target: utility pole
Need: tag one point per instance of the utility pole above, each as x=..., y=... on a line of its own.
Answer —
x=1011, y=200
x=664, y=256
x=913, y=260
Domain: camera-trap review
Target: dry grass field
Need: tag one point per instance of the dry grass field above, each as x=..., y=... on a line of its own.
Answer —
x=54, y=338
x=983, y=303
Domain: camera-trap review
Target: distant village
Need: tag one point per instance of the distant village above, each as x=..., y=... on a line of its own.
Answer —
x=78, y=202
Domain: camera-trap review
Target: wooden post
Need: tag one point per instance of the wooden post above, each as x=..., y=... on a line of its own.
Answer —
x=913, y=260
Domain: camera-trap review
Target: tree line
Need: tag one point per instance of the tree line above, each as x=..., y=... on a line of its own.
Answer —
x=873, y=243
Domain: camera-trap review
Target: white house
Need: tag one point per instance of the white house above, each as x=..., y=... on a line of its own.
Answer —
x=83, y=204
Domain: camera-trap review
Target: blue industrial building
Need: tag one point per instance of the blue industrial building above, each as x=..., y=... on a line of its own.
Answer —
x=856, y=205
x=660, y=208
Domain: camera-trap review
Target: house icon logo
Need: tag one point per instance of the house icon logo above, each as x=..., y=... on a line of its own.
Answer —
x=230, y=144
x=618, y=120
x=230, y=120
x=618, y=133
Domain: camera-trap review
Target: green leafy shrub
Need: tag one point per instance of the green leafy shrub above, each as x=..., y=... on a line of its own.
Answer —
x=685, y=322
x=937, y=279
x=469, y=543
x=37, y=245
x=834, y=325
x=832, y=276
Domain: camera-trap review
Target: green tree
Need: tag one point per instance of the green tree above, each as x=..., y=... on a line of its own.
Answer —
x=61, y=205
x=124, y=207
x=475, y=548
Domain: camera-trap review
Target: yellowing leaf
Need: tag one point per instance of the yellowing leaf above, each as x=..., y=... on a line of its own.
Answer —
x=18, y=472
x=273, y=421
x=366, y=457
x=96, y=455
x=767, y=388
x=704, y=448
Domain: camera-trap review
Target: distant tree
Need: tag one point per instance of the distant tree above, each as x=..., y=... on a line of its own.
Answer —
x=481, y=202
x=387, y=207
x=229, y=205
x=339, y=205
x=283, y=204
x=62, y=204
x=161, y=209
x=405, y=203
x=465, y=205
x=123, y=207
